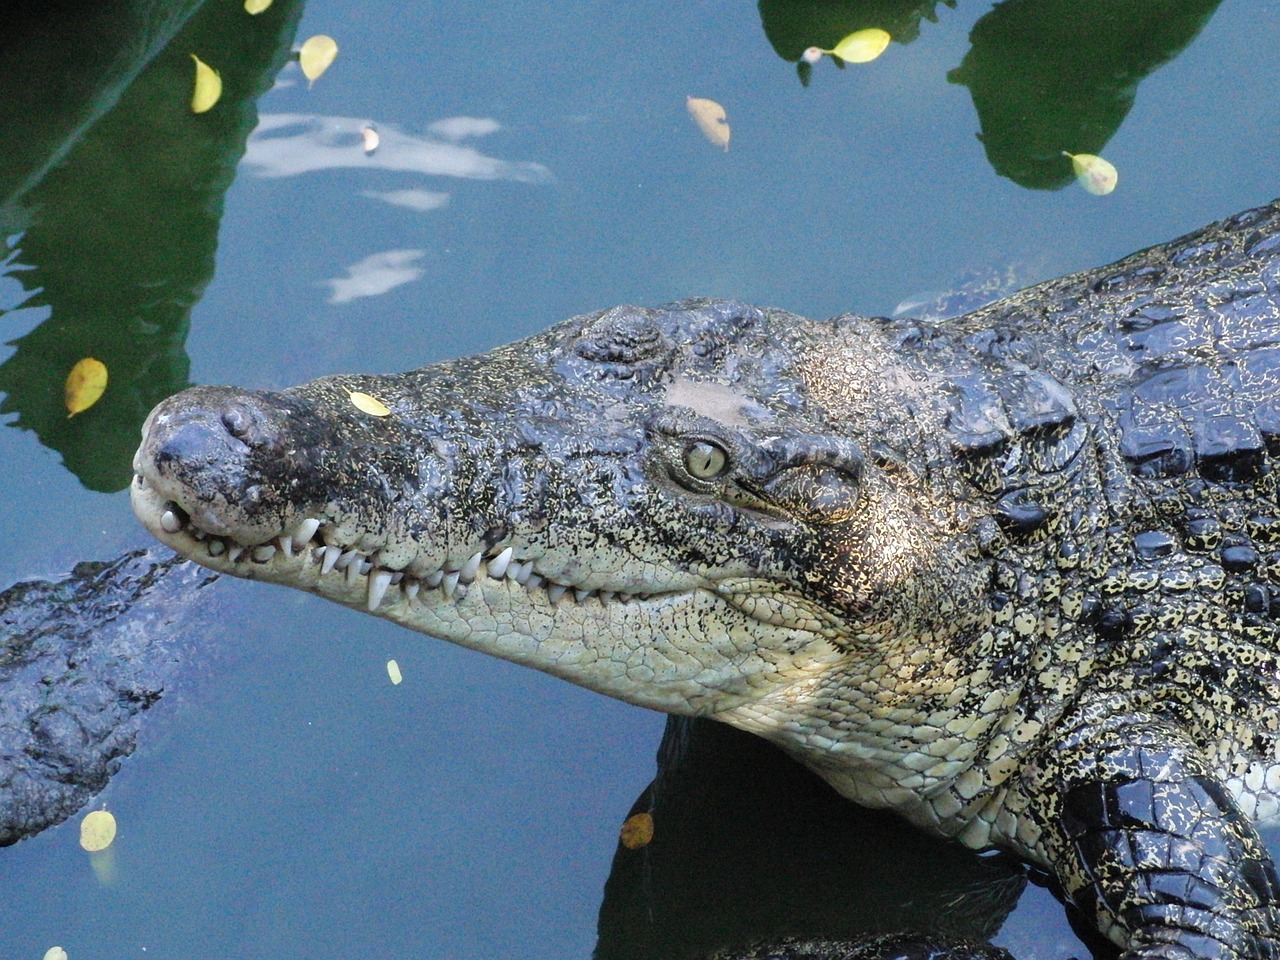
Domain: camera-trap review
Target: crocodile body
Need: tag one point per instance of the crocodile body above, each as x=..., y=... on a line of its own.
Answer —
x=1015, y=576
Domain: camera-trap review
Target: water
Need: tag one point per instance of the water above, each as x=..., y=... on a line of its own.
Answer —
x=294, y=803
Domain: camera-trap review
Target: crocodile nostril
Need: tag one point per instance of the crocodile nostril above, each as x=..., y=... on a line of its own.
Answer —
x=237, y=421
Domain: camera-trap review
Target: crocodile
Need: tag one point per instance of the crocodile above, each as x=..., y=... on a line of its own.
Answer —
x=1015, y=576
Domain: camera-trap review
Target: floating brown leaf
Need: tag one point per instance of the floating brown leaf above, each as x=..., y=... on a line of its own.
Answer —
x=711, y=120
x=637, y=831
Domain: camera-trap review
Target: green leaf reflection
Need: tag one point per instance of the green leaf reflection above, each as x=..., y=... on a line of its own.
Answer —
x=116, y=201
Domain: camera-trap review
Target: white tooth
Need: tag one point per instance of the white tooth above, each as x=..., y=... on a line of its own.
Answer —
x=581, y=594
x=521, y=576
x=286, y=545
x=533, y=581
x=397, y=576
x=365, y=567
x=264, y=552
x=216, y=548
x=169, y=522
x=198, y=533
x=607, y=596
x=331, y=555
x=498, y=565
x=460, y=592
x=234, y=551
x=306, y=530
x=470, y=568
x=556, y=591
x=378, y=584
x=353, y=572
x=344, y=561
x=411, y=588
x=450, y=583
x=434, y=579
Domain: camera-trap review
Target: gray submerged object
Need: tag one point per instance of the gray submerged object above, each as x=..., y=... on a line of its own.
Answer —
x=1015, y=576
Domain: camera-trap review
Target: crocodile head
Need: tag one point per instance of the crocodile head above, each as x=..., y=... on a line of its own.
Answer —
x=704, y=509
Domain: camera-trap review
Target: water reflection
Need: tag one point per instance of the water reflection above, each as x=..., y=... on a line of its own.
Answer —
x=749, y=847
x=120, y=233
x=376, y=274
x=288, y=144
x=1045, y=75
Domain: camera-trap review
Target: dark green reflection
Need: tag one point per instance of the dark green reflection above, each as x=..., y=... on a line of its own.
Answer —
x=749, y=847
x=1046, y=76
x=792, y=26
x=1054, y=75
x=120, y=235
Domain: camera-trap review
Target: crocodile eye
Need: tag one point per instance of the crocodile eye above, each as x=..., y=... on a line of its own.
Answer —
x=704, y=460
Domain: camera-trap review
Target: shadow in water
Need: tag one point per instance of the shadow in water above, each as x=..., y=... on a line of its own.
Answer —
x=750, y=848
x=115, y=206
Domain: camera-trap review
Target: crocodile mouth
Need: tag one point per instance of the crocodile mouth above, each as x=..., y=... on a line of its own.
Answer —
x=310, y=554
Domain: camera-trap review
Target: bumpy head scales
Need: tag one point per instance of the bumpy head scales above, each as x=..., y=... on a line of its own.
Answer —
x=651, y=503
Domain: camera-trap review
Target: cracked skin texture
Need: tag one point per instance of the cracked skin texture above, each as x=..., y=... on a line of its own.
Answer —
x=1015, y=576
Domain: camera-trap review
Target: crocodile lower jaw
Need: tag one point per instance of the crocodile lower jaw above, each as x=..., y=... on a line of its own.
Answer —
x=307, y=556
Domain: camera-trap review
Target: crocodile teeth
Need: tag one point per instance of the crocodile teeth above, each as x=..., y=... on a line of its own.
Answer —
x=555, y=591
x=331, y=555
x=353, y=571
x=306, y=530
x=264, y=552
x=234, y=551
x=581, y=594
x=378, y=584
x=217, y=548
x=286, y=544
x=450, y=583
x=434, y=579
x=411, y=589
x=470, y=568
x=499, y=564
x=170, y=522
x=345, y=560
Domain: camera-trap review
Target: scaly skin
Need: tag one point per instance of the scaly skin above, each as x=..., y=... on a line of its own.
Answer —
x=1015, y=576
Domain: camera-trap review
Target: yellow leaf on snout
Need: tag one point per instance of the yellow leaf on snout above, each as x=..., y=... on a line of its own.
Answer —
x=84, y=386
x=1096, y=175
x=55, y=953
x=256, y=6
x=316, y=56
x=367, y=404
x=208, y=87
x=861, y=46
x=711, y=120
x=637, y=831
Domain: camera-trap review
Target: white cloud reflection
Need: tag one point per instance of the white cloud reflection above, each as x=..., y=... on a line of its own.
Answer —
x=376, y=274
x=288, y=144
x=419, y=200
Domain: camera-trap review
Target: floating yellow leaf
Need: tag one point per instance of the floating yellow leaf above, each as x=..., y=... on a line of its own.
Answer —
x=55, y=953
x=256, y=6
x=861, y=46
x=393, y=671
x=316, y=55
x=208, y=87
x=1095, y=174
x=370, y=405
x=711, y=120
x=637, y=831
x=97, y=830
x=84, y=386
